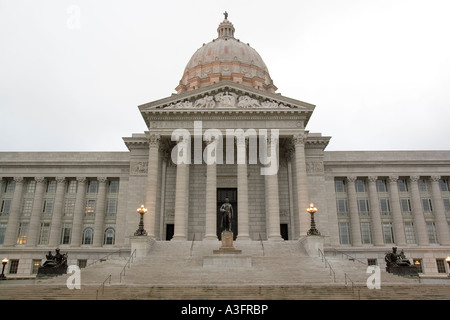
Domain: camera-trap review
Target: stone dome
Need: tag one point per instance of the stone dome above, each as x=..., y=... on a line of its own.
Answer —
x=226, y=58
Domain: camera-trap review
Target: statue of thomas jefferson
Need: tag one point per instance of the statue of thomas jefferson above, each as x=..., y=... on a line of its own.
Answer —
x=226, y=210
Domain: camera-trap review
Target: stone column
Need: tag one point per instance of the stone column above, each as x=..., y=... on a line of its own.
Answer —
x=397, y=218
x=100, y=213
x=14, y=213
x=242, y=183
x=439, y=212
x=36, y=212
x=375, y=215
x=181, y=205
x=55, y=228
x=152, y=184
x=355, y=225
x=272, y=199
x=299, y=140
x=79, y=210
x=419, y=219
x=211, y=192
x=165, y=159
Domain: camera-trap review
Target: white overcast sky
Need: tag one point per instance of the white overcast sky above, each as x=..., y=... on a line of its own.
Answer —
x=72, y=73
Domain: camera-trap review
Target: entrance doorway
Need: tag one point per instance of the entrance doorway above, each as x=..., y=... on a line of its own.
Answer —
x=284, y=231
x=170, y=228
x=231, y=194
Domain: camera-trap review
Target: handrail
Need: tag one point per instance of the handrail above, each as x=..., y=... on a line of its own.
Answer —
x=353, y=285
x=329, y=265
x=351, y=258
x=100, y=259
x=192, y=245
x=127, y=264
x=103, y=286
x=262, y=245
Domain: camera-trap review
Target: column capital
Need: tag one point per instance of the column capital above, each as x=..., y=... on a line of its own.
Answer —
x=18, y=179
x=60, y=179
x=414, y=178
x=435, y=178
x=39, y=179
x=102, y=179
x=351, y=179
x=372, y=178
x=81, y=179
x=299, y=138
x=153, y=139
x=393, y=179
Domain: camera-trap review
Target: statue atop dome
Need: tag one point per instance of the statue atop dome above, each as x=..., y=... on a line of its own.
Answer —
x=225, y=14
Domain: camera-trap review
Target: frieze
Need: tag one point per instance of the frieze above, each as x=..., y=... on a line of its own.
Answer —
x=138, y=167
x=315, y=167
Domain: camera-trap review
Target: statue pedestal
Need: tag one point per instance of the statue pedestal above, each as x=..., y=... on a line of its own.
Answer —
x=140, y=244
x=312, y=245
x=227, y=244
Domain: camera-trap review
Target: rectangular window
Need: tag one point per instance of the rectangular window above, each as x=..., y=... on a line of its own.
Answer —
x=27, y=206
x=92, y=186
x=388, y=233
x=6, y=207
x=82, y=263
x=31, y=186
x=366, y=236
x=360, y=185
x=405, y=204
x=372, y=262
x=114, y=186
x=422, y=185
x=65, y=233
x=35, y=264
x=111, y=208
x=69, y=207
x=22, y=234
x=440, y=264
x=339, y=185
x=363, y=207
x=13, y=266
x=2, y=232
x=341, y=206
x=384, y=206
x=44, y=233
x=48, y=206
x=381, y=185
x=72, y=187
x=10, y=186
x=418, y=264
x=443, y=183
x=431, y=231
x=446, y=204
x=402, y=185
x=426, y=205
x=409, y=232
x=344, y=234
x=51, y=186
x=90, y=208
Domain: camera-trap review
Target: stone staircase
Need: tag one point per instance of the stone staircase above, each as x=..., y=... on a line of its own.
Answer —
x=174, y=270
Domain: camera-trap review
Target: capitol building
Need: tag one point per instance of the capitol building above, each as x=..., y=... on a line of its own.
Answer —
x=226, y=133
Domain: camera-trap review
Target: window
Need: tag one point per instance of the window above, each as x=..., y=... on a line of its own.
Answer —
x=27, y=206
x=51, y=186
x=372, y=262
x=111, y=208
x=92, y=186
x=6, y=207
x=405, y=204
x=35, y=264
x=22, y=234
x=87, y=236
x=48, y=206
x=10, y=186
x=402, y=185
x=431, y=231
x=344, y=234
x=72, y=187
x=13, y=266
x=363, y=206
x=109, y=236
x=422, y=185
x=418, y=264
x=426, y=205
x=339, y=185
x=114, y=186
x=384, y=206
x=82, y=263
x=388, y=233
x=365, y=233
x=31, y=186
x=409, y=232
x=360, y=185
x=446, y=204
x=440, y=264
x=2, y=232
x=65, y=233
x=443, y=183
x=44, y=233
x=341, y=206
x=381, y=185
x=90, y=208
x=69, y=207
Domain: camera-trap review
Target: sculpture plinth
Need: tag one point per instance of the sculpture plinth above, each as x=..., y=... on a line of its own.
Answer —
x=227, y=244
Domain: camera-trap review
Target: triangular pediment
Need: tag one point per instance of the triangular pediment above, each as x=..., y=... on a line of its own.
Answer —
x=226, y=95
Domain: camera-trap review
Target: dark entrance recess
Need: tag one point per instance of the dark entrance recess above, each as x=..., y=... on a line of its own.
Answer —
x=284, y=231
x=231, y=194
x=170, y=229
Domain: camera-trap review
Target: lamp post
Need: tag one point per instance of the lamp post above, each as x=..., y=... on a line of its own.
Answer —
x=140, y=231
x=312, y=231
x=4, y=262
x=448, y=261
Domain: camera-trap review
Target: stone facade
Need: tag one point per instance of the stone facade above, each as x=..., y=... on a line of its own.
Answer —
x=85, y=203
